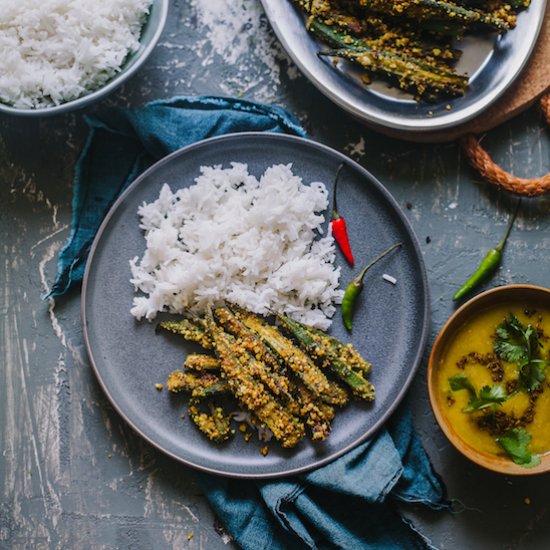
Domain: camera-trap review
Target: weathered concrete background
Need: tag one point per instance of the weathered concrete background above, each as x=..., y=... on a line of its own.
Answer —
x=72, y=473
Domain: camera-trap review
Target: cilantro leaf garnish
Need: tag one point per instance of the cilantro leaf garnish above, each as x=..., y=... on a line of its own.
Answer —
x=514, y=342
x=532, y=374
x=518, y=344
x=515, y=442
x=489, y=396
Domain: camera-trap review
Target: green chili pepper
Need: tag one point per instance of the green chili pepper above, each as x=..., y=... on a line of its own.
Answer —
x=355, y=287
x=489, y=263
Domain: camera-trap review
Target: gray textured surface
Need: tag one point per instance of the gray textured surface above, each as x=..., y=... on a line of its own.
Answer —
x=72, y=474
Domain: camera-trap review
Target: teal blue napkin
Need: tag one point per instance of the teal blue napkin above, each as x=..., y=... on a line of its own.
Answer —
x=349, y=503
x=122, y=143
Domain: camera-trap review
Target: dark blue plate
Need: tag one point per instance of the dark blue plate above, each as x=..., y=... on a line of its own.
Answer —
x=390, y=327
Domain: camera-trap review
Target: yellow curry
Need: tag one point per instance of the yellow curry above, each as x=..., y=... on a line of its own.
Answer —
x=517, y=391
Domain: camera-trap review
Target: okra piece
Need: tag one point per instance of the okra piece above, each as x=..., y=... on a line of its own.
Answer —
x=198, y=384
x=351, y=357
x=201, y=362
x=191, y=329
x=453, y=29
x=316, y=414
x=378, y=33
x=237, y=364
x=324, y=353
x=490, y=5
x=269, y=368
x=345, y=352
x=216, y=425
x=410, y=73
x=434, y=9
x=296, y=360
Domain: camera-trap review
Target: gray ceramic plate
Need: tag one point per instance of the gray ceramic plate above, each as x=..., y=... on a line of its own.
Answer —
x=130, y=358
x=493, y=63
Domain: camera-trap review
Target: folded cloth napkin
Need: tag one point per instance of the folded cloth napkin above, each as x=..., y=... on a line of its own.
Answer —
x=349, y=503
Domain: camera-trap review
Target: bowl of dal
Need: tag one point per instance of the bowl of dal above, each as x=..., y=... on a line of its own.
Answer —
x=489, y=379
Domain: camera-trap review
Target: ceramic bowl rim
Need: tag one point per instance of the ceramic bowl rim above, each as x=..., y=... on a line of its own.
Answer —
x=486, y=460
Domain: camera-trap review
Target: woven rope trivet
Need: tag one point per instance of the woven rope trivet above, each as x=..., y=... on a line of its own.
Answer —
x=494, y=174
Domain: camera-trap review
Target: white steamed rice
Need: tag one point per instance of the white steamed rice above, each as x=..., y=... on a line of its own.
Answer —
x=54, y=51
x=255, y=243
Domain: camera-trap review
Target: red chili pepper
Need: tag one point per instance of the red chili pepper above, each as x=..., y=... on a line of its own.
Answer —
x=338, y=224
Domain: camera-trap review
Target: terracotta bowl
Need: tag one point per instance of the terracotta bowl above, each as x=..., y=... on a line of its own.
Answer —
x=461, y=316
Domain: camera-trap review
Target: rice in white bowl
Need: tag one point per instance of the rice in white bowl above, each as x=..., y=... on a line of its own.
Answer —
x=54, y=51
x=255, y=243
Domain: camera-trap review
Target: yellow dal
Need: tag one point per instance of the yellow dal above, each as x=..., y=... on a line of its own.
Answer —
x=477, y=335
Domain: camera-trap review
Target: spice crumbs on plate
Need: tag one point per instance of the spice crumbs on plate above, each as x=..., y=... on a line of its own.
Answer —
x=189, y=536
x=159, y=387
x=264, y=450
